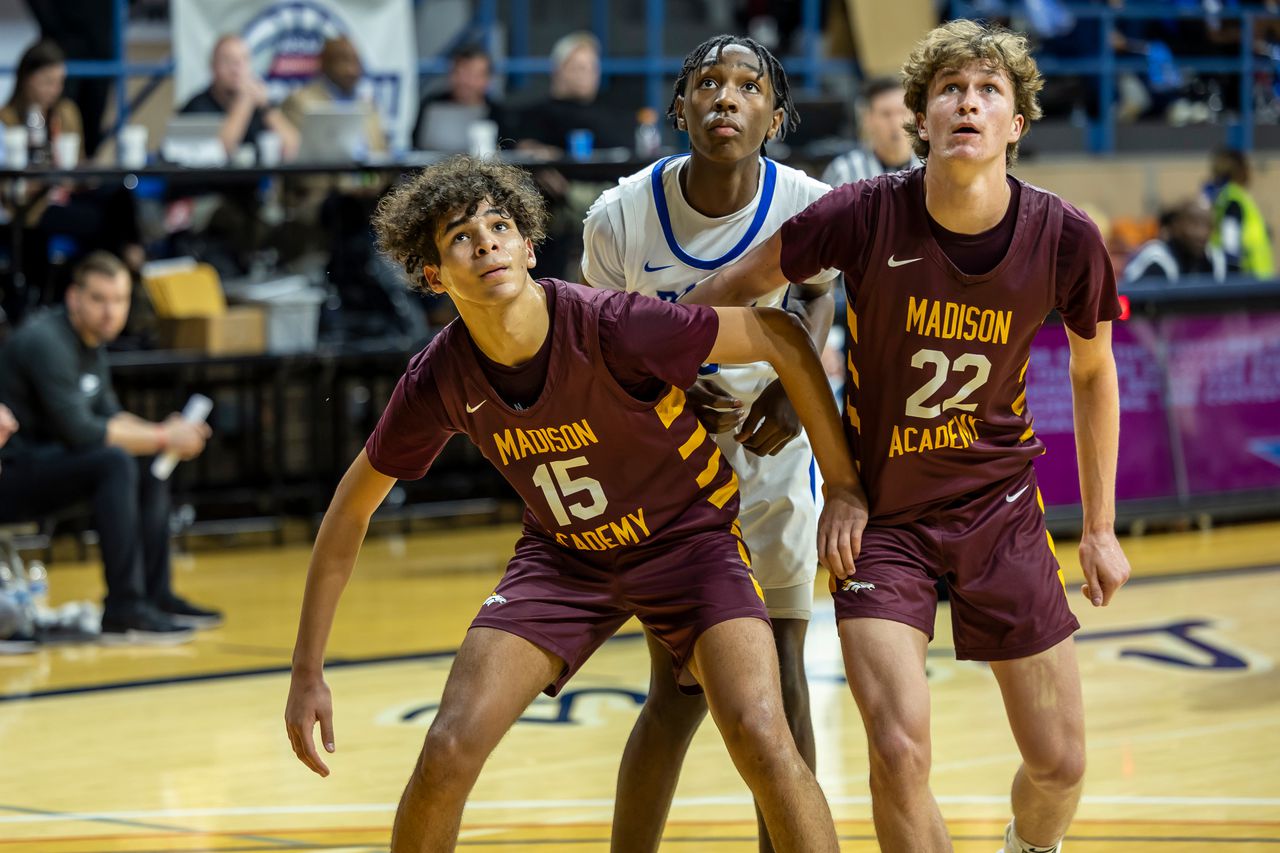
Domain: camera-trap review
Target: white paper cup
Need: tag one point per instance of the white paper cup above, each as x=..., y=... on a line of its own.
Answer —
x=15, y=147
x=270, y=148
x=66, y=150
x=132, y=144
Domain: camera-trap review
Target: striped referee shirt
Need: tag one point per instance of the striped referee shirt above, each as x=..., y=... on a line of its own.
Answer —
x=860, y=164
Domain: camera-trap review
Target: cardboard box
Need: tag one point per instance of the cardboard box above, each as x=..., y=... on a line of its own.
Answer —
x=241, y=330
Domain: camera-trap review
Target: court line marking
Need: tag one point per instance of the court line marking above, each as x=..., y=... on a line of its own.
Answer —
x=517, y=805
x=284, y=669
x=181, y=831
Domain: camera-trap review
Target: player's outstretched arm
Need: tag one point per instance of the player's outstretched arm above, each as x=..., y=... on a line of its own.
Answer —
x=773, y=335
x=332, y=559
x=1095, y=393
x=744, y=281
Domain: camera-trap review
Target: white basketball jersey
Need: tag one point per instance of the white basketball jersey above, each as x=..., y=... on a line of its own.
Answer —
x=643, y=236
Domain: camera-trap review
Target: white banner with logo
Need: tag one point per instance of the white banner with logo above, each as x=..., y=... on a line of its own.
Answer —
x=285, y=37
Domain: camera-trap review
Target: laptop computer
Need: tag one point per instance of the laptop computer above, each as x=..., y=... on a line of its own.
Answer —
x=333, y=133
x=191, y=139
x=445, y=126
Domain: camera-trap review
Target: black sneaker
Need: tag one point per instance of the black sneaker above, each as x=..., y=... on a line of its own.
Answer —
x=184, y=613
x=143, y=626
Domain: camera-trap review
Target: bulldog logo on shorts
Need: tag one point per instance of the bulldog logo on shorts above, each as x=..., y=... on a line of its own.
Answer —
x=856, y=586
x=494, y=599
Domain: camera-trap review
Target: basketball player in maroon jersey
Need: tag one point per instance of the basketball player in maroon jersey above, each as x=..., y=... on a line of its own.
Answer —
x=950, y=270
x=575, y=396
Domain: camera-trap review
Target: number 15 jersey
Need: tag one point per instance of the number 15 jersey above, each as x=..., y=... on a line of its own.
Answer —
x=936, y=397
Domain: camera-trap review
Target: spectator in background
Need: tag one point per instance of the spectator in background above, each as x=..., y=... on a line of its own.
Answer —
x=241, y=96
x=574, y=100
x=340, y=74
x=103, y=217
x=443, y=118
x=84, y=29
x=886, y=147
x=1183, y=247
x=1238, y=227
x=573, y=105
x=77, y=444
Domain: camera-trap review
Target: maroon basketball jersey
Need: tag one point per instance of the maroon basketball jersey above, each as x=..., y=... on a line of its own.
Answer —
x=936, y=402
x=598, y=469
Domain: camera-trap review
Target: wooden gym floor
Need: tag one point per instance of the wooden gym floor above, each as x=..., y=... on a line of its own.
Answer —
x=184, y=748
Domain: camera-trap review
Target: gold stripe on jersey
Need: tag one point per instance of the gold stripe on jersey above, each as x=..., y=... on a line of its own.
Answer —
x=722, y=494
x=1020, y=403
x=742, y=547
x=709, y=473
x=851, y=410
x=852, y=318
x=670, y=407
x=694, y=442
x=1031, y=430
x=1062, y=578
x=853, y=373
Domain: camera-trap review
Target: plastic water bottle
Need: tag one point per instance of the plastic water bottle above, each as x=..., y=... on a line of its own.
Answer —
x=37, y=138
x=15, y=585
x=648, y=136
x=195, y=412
x=38, y=586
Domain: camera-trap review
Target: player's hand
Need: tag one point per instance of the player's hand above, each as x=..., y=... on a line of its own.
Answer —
x=8, y=424
x=772, y=422
x=185, y=439
x=309, y=703
x=1106, y=568
x=718, y=410
x=844, y=517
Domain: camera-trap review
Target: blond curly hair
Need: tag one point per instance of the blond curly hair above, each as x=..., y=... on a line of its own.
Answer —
x=954, y=45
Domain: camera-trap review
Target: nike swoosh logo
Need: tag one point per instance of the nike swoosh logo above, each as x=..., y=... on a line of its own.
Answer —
x=648, y=268
x=1013, y=497
x=894, y=263
x=471, y=408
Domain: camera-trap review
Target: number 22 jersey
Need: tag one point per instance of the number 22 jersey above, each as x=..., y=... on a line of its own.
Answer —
x=936, y=397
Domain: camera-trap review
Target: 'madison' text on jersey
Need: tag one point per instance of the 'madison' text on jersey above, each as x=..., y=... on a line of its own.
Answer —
x=643, y=236
x=936, y=398
x=598, y=469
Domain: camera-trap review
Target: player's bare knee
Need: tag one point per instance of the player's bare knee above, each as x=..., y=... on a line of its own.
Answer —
x=447, y=749
x=899, y=757
x=1058, y=768
x=756, y=732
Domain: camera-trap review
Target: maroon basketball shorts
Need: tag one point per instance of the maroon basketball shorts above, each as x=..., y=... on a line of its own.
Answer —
x=560, y=602
x=991, y=548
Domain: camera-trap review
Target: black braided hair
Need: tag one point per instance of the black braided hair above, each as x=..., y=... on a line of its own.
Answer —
x=772, y=67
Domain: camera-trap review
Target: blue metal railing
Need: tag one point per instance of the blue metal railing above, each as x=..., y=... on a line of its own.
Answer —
x=808, y=67
x=1106, y=64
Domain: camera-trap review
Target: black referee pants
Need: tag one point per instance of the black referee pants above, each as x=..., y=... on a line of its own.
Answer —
x=130, y=513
